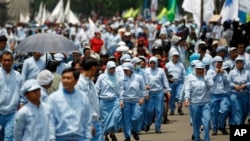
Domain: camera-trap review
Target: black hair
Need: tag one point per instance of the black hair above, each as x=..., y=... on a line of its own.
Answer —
x=203, y=47
x=88, y=63
x=52, y=65
x=85, y=49
x=3, y=38
x=74, y=62
x=7, y=53
x=76, y=73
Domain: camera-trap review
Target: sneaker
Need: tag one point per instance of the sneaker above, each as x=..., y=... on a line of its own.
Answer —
x=180, y=112
x=171, y=113
x=224, y=131
x=147, y=128
x=135, y=135
x=113, y=137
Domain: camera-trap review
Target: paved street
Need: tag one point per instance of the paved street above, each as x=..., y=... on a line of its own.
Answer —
x=178, y=129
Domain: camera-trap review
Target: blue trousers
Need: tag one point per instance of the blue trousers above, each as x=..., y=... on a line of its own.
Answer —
x=240, y=107
x=131, y=113
x=220, y=104
x=142, y=121
x=111, y=115
x=201, y=116
x=7, y=127
x=98, y=131
x=175, y=94
x=155, y=106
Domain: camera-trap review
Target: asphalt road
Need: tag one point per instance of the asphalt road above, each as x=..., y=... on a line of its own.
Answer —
x=178, y=129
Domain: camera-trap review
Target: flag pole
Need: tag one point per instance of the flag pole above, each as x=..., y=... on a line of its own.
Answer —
x=202, y=11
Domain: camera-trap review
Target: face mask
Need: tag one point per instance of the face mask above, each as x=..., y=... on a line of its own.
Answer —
x=137, y=67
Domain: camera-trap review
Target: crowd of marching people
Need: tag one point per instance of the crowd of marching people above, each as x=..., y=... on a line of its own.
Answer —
x=125, y=75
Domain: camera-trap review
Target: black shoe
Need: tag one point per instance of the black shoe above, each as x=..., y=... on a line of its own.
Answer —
x=224, y=131
x=135, y=135
x=180, y=112
x=106, y=138
x=171, y=113
x=127, y=139
x=165, y=120
x=158, y=131
x=214, y=133
x=147, y=128
x=113, y=137
x=192, y=137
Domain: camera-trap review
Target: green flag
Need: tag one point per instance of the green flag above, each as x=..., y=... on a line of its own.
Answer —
x=171, y=6
x=248, y=17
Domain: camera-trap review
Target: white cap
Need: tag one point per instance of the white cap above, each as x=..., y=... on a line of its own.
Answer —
x=29, y=85
x=58, y=57
x=44, y=77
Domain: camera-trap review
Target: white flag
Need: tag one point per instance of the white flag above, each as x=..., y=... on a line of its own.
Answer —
x=230, y=10
x=67, y=10
x=40, y=13
x=72, y=18
x=244, y=5
x=194, y=7
x=58, y=12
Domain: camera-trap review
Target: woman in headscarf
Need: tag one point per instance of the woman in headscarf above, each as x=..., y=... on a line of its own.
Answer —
x=239, y=79
x=131, y=99
x=198, y=98
x=220, y=102
x=108, y=92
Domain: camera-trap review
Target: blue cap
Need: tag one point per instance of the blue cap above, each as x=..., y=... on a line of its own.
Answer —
x=248, y=49
x=221, y=48
x=128, y=66
x=135, y=60
x=199, y=65
x=125, y=57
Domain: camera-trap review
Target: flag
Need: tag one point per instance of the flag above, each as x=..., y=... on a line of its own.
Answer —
x=171, y=6
x=58, y=13
x=135, y=12
x=162, y=13
x=153, y=9
x=244, y=6
x=72, y=18
x=39, y=15
x=193, y=6
x=243, y=16
x=67, y=10
x=128, y=13
x=248, y=18
x=230, y=10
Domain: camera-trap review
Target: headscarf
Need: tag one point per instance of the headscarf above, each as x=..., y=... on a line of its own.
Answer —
x=111, y=79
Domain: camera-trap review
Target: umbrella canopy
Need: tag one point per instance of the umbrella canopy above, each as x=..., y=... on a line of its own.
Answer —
x=47, y=43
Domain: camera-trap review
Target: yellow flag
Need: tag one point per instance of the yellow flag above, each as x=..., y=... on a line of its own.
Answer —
x=135, y=12
x=128, y=13
x=163, y=12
